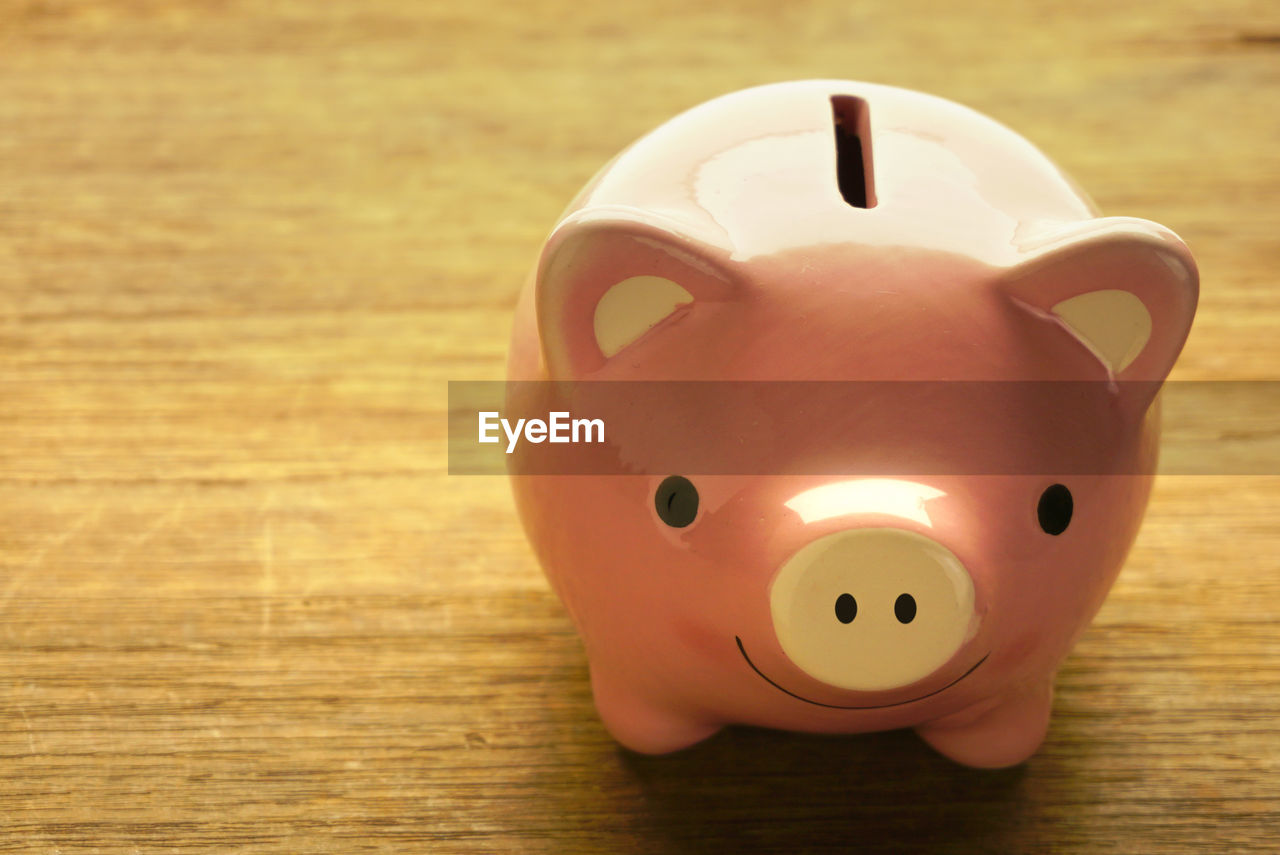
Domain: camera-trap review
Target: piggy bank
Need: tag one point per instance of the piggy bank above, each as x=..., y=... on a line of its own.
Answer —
x=900, y=247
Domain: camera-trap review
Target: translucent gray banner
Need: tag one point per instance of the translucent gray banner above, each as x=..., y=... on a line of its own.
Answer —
x=863, y=428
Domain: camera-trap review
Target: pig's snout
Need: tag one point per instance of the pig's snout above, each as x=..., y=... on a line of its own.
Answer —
x=872, y=608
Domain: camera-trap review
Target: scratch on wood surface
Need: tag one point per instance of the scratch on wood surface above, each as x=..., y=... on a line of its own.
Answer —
x=31, y=736
x=35, y=561
x=168, y=517
x=267, y=554
x=134, y=543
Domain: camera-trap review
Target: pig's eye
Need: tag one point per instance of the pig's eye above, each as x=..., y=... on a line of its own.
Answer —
x=1054, y=510
x=676, y=501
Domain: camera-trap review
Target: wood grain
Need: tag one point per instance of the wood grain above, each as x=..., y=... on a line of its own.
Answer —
x=244, y=246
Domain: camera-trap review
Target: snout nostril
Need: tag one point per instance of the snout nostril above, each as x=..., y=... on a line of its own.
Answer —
x=904, y=608
x=846, y=608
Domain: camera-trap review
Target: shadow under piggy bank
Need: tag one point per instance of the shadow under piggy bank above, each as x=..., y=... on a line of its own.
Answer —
x=750, y=790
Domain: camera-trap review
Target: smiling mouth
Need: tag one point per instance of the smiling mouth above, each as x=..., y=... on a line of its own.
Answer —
x=743, y=650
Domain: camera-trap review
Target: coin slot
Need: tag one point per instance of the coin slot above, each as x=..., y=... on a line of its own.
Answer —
x=853, y=150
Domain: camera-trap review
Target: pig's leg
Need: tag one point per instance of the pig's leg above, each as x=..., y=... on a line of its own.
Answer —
x=1003, y=735
x=641, y=723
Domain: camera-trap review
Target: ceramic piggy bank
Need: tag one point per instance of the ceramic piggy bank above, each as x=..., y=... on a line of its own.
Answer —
x=870, y=564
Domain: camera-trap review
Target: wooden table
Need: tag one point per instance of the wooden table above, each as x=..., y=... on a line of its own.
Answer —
x=243, y=246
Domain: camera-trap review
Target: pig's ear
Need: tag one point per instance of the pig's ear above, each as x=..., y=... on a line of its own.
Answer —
x=609, y=277
x=1124, y=288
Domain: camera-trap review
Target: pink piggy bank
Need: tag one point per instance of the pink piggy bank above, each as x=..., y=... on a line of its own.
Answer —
x=869, y=565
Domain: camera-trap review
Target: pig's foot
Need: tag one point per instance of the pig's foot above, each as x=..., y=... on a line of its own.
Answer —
x=643, y=725
x=1004, y=735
